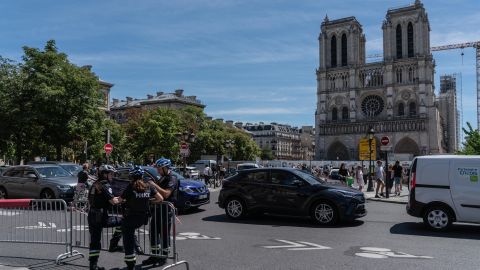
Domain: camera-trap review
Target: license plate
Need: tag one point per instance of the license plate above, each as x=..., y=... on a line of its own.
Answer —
x=202, y=196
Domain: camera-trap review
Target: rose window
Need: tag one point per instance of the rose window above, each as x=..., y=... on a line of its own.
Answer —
x=372, y=106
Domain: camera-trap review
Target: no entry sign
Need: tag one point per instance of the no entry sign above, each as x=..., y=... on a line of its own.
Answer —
x=385, y=141
x=108, y=148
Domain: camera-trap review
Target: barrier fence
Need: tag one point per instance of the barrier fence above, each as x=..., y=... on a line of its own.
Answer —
x=68, y=226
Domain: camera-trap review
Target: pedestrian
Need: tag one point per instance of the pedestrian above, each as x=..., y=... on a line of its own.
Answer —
x=100, y=198
x=359, y=178
x=343, y=172
x=207, y=173
x=81, y=190
x=397, y=177
x=380, y=179
x=137, y=197
x=161, y=221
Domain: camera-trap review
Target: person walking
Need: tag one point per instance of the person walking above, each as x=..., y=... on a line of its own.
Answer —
x=397, y=176
x=161, y=221
x=81, y=190
x=100, y=198
x=359, y=178
x=380, y=179
x=137, y=197
x=207, y=173
x=343, y=172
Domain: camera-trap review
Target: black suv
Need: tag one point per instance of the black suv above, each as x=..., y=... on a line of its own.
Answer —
x=291, y=192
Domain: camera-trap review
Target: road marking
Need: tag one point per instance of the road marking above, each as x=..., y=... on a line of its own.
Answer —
x=298, y=245
x=41, y=225
x=194, y=236
x=384, y=253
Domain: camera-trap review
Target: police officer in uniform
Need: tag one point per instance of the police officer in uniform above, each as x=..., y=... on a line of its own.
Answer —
x=137, y=197
x=100, y=198
x=161, y=221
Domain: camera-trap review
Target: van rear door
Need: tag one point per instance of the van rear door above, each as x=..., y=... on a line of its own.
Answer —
x=465, y=188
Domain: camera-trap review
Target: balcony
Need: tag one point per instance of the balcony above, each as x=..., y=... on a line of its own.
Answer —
x=385, y=126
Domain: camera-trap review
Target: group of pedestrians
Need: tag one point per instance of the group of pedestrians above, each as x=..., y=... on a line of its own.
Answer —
x=141, y=205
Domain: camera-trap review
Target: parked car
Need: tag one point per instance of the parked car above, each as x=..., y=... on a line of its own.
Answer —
x=192, y=194
x=445, y=189
x=246, y=166
x=191, y=172
x=44, y=181
x=334, y=175
x=291, y=192
x=70, y=167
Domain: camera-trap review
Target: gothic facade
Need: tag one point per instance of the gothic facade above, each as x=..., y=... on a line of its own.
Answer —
x=395, y=97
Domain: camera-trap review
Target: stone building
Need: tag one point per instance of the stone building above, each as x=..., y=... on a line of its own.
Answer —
x=307, y=143
x=395, y=96
x=449, y=114
x=121, y=110
x=283, y=140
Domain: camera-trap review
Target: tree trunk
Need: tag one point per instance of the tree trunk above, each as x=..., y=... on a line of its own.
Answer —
x=18, y=152
x=58, y=149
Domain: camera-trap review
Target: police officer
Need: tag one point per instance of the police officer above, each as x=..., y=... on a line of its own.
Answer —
x=137, y=197
x=161, y=221
x=100, y=198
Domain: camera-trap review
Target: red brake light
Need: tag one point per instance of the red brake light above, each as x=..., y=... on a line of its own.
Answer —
x=414, y=181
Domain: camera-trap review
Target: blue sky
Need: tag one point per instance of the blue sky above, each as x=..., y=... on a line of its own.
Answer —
x=246, y=60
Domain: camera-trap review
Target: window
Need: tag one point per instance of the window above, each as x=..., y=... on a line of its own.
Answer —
x=345, y=113
x=344, y=50
x=333, y=51
x=413, y=109
x=334, y=114
x=401, y=109
x=399, y=41
x=27, y=172
x=258, y=177
x=283, y=178
x=14, y=173
x=372, y=106
x=410, y=39
x=399, y=75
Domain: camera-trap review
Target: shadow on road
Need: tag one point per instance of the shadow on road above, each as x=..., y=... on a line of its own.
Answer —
x=279, y=221
x=38, y=264
x=190, y=211
x=458, y=231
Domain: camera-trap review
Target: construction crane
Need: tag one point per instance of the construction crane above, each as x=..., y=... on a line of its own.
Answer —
x=462, y=46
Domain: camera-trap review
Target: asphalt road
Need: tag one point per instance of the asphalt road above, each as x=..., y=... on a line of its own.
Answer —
x=387, y=238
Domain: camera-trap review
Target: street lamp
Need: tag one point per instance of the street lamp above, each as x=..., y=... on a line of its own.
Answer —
x=371, y=133
x=186, y=137
x=229, y=145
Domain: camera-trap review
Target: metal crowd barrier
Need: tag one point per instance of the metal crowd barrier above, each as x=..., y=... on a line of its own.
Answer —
x=161, y=214
x=36, y=222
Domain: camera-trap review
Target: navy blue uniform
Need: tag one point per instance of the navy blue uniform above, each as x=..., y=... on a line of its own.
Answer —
x=136, y=215
x=99, y=196
x=161, y=221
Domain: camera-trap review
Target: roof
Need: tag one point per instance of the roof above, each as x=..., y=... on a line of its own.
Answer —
x=164, y=98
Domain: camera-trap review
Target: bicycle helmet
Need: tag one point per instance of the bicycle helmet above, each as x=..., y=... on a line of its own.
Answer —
x=163, y=162
x=137, y=172
x=107, y=169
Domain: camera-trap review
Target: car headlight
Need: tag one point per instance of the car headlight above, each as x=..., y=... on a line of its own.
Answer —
x=64, y=187
x=346, y=193
x=186, y=189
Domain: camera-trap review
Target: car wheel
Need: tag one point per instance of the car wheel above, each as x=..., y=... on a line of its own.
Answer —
x=325, y=213
x=235, y=208
x=47, y=194
x=3, y=193
x=437, y=218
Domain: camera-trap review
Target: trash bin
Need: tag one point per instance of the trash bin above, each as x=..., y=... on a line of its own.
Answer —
x=349, y=181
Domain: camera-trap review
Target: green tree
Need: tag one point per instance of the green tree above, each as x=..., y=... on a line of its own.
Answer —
x=471, y=146
x=67, y=100
x=266, y=153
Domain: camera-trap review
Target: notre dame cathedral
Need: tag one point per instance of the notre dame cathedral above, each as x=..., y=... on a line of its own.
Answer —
x=396, y=97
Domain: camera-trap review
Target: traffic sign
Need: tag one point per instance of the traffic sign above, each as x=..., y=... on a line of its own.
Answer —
x=108, y=148
x=184, y=146
x=385, y=140
x=184, y=150
x=364, y=149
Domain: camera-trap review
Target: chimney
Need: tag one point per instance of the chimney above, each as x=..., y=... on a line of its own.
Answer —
x=179, y=92
x=239, y=124
x=229, y=123
x=149, y=97
x=159, y=94
x=129, y=99
x=114, y=102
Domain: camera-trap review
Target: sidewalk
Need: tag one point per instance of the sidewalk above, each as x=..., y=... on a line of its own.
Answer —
x=402, y=199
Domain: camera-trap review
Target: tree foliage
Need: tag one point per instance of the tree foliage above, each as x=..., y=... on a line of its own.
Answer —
x=471, y=146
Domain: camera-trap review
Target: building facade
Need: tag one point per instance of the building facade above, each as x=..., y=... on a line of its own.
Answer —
x=283, y=140
x=122, y=110
x=449, y=113
x=307, y=143
x=395, y=96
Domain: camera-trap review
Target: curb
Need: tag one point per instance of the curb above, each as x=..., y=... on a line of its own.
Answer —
x=385, y=200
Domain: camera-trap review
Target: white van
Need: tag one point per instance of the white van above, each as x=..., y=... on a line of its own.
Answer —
x=445, y=189
x=201, y=164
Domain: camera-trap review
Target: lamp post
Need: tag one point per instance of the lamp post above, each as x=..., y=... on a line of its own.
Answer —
x=371, y=133
x=186, y=137
x=229, y=145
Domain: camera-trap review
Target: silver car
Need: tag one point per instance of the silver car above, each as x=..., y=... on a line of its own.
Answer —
x=45, y=181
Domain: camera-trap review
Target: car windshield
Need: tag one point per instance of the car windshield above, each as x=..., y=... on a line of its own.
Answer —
x=52, y=172
x=310, y=178
x=72, y=169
